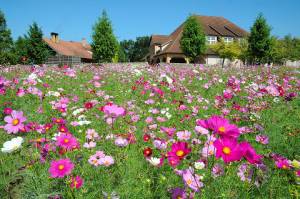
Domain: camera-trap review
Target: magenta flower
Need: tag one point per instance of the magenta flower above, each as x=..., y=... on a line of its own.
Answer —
x=60, y=168
x=249, y=153
x=222, y=127
x=113, y=110
x=178, y=193
x=66, y=141
x=14, y=122
x=178, y=151
x=76, y=182
x=228, y=149
x=282, y=163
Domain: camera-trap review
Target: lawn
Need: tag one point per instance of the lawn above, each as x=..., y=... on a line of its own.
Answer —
x=135, y=131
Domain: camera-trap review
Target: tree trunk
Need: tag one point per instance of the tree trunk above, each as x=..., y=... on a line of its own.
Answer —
x=223, y=62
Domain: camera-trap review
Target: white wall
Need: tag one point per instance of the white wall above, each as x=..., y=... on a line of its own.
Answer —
x=293, y=63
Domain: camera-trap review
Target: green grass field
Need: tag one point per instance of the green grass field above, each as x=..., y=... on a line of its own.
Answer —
x=265, y=101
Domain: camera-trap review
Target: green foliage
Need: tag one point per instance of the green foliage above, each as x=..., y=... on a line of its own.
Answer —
x=20, y=50
x=193, y=41
x=135, y=51
x=36, y=51
x=104, y=44
x=259, y=41
x=229, y=51
x=6, y=42
x=140, y=49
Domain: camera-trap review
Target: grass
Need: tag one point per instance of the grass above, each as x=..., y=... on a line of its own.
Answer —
x=23, y=176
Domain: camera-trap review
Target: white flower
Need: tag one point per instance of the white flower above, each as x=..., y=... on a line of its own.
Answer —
x=154, y=161
x=276, y=100
x=77, y=111
x=80, y=123
x=137, y=72
x=32, y=76
x=53, y=93
x=12, y=145
x=168, y=115
x=199, y=165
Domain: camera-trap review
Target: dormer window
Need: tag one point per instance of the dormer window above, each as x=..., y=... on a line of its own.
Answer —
x=228, y=40
x=211, y=39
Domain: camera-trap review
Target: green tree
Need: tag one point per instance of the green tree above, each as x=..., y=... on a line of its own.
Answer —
x=36, y=50
x=20, y=50
x=193, y=41
x=140, y=48
x=128, y=47
x=104, y=44
x=259, y=40
x=229, y=51
x=6, y=42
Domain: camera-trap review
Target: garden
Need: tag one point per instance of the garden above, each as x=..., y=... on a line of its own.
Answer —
x=139, y=131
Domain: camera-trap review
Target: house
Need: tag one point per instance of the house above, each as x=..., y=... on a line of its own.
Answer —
x=68, y=52
x=166, y=48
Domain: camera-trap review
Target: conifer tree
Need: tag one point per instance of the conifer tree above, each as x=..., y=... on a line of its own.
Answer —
x=104, y=44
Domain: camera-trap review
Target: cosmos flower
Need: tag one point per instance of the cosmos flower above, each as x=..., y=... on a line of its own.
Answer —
x=228, y=149
x=12, y=145
x=178, y=151
x=14, y=122
x=222, y=127
x=60, y=168
x=183, y=135
x=76, y=182
x=177, y=193
x=282, y=163
x=106, y=161
x=249, y=153
x=66, y=141
x=191, y=179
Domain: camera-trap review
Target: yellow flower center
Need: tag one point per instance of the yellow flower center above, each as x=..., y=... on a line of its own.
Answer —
x=179, y=197
x=284, y=167
x=221, y=129
x=61, y=167
x=106, y=163
x=226, y=150
x=66, y=140
x=189, y=182
x=179, y=153
x=15, y=122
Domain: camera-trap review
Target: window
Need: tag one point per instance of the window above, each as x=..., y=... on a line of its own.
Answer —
x=228, y=39
x=211, y=39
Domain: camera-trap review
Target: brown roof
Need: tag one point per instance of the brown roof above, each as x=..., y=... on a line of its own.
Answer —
x=159, y=39
x=216, y=26
x=70, y=48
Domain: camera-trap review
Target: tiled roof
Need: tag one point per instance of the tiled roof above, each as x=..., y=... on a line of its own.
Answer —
x=215, y=26
x=70, y=48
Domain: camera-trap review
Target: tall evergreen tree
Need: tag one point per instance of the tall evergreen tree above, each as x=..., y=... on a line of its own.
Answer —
x=6, y=42
x=20, y=50
x=259, y=41
x=37, y=51
x=193, y=41
x=104, y=44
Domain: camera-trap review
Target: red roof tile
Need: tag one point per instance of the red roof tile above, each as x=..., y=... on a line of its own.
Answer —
x=70, y=48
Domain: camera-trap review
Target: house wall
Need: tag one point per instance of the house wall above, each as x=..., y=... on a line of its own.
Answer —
x=63, y=60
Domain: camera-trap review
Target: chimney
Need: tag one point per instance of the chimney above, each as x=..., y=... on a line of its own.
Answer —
x=84, y=42
x=54, y=37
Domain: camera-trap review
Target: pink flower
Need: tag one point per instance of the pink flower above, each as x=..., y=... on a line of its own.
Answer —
x=76, y=182
x=14, y=122
x=178, y=151
x=106, y=161
x=183, y=135
x=223, y=127
x=282, y=163
x=113, y=110
x=263, y=139
x=168, y=131
x=66, y=141
x=7, y=111
x=60, y=168
x=201, y=130
x=228, y=149
x=191, y=179
x=249, y=153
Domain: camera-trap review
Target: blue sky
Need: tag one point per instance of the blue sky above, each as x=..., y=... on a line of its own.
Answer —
x=73, y=19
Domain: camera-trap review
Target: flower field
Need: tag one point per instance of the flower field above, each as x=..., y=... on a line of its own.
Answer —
x=135, y=131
